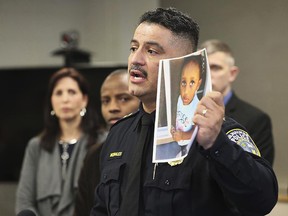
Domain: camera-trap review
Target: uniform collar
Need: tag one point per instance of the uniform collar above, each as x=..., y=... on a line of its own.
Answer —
x=141, y=111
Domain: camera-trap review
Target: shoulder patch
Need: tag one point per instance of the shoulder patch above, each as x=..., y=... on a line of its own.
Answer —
x=243, y=139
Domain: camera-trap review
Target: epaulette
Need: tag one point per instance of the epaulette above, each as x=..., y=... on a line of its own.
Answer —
x=125, y=117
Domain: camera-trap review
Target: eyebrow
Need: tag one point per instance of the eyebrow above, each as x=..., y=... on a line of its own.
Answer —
x=151, y=43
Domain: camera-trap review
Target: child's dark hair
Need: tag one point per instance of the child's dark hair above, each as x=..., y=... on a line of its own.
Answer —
x=197, y=59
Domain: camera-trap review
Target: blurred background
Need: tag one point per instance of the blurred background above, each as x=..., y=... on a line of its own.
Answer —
x=39, y=37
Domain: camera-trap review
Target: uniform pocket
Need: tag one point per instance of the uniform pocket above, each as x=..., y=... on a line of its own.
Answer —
x=171, y=178
x=168, y=188
x=111, y=182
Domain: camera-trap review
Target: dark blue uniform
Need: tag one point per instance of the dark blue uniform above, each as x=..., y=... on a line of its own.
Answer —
x=223, y=180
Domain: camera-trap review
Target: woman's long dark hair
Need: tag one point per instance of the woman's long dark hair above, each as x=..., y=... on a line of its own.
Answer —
x=90, y=122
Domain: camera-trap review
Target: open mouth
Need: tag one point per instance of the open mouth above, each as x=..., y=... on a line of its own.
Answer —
x=137, y=75
x=186, y=100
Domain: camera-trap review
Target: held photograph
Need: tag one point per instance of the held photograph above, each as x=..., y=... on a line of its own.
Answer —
x=182, y=82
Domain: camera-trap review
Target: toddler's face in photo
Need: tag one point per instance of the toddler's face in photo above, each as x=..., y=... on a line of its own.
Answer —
x=190, y=82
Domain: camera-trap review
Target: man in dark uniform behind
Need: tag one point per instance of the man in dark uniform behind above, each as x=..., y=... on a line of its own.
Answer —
x=222, y=174
x=116, y=102
x=223, y=73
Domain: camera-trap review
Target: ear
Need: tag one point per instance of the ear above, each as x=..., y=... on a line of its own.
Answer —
x=234, y=71
x=85, y=100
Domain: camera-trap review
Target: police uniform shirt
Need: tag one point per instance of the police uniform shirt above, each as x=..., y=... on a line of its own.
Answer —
x=227, y=179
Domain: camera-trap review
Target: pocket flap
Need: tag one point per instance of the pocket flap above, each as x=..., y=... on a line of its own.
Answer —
x=112, y=172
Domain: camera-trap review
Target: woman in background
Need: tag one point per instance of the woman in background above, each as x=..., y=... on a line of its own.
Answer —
x=53, y=159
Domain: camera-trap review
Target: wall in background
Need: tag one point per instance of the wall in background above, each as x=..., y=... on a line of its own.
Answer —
x=31, y=30
x=257, y=32
x=23, y=94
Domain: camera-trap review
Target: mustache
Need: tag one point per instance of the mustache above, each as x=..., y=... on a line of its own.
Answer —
x=139, y=68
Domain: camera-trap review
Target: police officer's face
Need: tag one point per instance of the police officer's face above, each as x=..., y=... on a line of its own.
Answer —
x=149, y=44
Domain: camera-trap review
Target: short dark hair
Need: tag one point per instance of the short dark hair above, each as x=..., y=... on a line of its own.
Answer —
x=176, y=21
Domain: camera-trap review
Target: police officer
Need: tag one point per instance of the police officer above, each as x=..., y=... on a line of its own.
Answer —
x=223, y=173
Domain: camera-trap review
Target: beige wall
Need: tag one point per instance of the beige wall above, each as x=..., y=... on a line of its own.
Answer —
x=280, y=209
x=30, y=29
x=257, y=31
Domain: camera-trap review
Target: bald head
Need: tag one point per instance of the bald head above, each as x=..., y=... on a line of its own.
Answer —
x=213, y=46
x=116, y=73
x=222, y=65
x=116, y=101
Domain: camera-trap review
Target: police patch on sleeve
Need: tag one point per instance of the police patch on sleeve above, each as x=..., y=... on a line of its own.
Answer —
x=243, y=139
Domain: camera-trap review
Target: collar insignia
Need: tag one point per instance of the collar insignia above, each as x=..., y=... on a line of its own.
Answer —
x=176, y=162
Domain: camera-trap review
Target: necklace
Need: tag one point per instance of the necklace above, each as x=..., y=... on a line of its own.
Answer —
x=65, y=154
